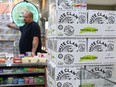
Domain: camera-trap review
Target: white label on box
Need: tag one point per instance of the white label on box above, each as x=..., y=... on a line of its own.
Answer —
x=72, y=17
x=100, y=45
x=97, y=83
x=64, y=73
x=64, y=4
x=62, y=83
x=67, y=45
x=70, y=46
x=71, y=4
x=82, y=30
x=101, y=17
x=105, y=71
x=76, y=58
x=68, y=83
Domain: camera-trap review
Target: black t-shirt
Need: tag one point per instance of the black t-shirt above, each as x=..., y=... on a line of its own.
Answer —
x=28, y=31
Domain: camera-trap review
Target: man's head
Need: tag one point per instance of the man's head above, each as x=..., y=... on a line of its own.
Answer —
x=28, y=17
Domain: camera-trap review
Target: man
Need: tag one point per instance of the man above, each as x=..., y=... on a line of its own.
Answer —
x=30, y=40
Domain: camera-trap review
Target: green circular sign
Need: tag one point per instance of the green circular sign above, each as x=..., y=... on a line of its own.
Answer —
x=19, y=8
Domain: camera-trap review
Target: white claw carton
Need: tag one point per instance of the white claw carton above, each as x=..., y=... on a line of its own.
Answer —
x=80, y=58
x=52, y=19
x=63, y=73
x=96, y=83
x=67, y=5
x=72, y=17
x=8, y=31
x=95, y=74
x=4, y=20
x=101, y=17
x=82, y=30
x=68, y=17
x=104, y=70
x=53, y=83
x=102, y=45
x=71, y=4
x=67, y=44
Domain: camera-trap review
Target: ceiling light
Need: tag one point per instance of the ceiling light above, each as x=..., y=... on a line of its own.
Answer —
x=1, y=1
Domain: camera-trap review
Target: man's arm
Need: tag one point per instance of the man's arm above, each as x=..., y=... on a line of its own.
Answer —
x=12, y=25
x=35, y=44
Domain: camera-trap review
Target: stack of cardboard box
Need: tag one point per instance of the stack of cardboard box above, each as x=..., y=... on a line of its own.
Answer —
x=79, y=38
x=64, y=16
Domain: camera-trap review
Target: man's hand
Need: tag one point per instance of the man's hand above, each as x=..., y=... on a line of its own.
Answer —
x=12, y=25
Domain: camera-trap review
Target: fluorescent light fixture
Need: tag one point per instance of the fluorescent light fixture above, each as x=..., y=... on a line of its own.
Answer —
x=1, y=1
x=46, y=25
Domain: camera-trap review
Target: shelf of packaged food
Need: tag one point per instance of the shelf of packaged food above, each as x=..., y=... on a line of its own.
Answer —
x=23, y=65
x=30, y=64
x=21, y=73
x=17, y=85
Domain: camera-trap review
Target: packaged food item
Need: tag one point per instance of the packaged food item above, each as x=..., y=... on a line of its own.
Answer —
x=21, y=56
x=17, y=60
x=15, y=80
x=20, y=81
x=30, y=60
x=41, y=79
x=2, y=60
x=31, y=80
x=30, y=69
x=42, y=55
x=10, y=80
x=26, y=80
x=1, y=81
x=1, y=70
x=28, y=53
x=36, y=80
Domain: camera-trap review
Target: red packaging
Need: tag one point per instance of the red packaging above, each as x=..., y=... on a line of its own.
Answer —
x=17, y=60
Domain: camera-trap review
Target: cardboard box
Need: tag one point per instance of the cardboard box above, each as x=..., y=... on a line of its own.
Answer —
x=67, y=44
x=52, y=6
x=63, y=83
x=81, y=58
x=82, y=30
x=8, y=31
x=105, y=71
x=88, y=78
x=71, y=5
x=96, y=83
x=4, y=20
x=71, y=17
x=42, y=60
x=101, y=17
x=97, y=75
x=17, y=60
x=52, y=19
x=64, y=5
x=68, y=17
x=57, y=73
x=102, y=45
x=30, y=60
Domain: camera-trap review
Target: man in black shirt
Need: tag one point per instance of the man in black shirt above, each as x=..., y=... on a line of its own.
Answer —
x=30, y=40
